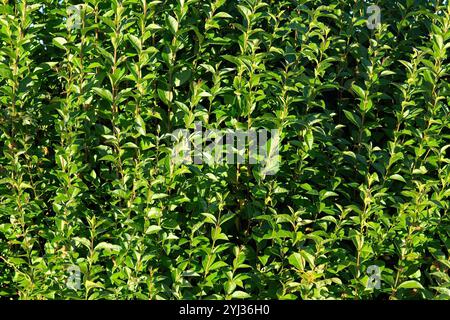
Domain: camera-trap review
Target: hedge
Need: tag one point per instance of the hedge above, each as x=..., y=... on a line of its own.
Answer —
x=94, y=203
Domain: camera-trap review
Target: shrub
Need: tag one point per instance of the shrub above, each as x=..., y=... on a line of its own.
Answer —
x=94, y=203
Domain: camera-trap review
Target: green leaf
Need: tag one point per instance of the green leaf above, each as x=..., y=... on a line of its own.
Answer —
x=165, y=96
x=297, y=260
x=246, y=12
x=91, y=284
x=59, y=42
x=359, y=91
x=153, y=229
x=136, y=42
x=108, y=246
x=353, y=118
x=218, y=265
x=140, y=125
x=83, y=241
x=173, y=24
x=181, y=77
x=104, y=93
x=223, y=15
x=410, y=284
x=397, y=177
x=240, y=295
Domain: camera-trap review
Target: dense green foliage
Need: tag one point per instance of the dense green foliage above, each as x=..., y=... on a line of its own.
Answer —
x=87, y=177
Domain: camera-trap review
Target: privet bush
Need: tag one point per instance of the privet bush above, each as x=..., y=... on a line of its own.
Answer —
x=94, y=205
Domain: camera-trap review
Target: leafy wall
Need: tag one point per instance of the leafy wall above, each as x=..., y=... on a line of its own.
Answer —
x=90, y=94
